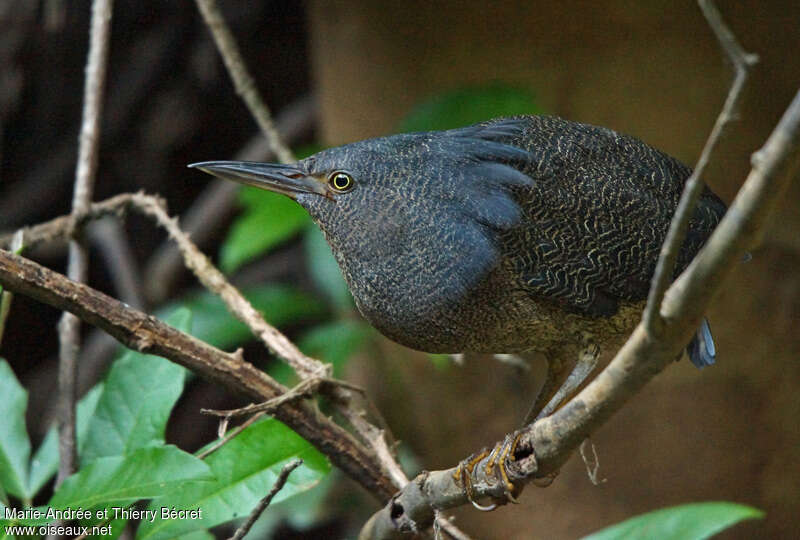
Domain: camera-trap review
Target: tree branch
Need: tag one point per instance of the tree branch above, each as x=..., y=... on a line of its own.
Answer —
x=78, y=263
x=263, y=503
x=242, y=80
x=145, y=333
x=545, y=445
x=742, y=61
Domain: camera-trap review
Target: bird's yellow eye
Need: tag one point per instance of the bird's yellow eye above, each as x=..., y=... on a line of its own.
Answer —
x=341, y=181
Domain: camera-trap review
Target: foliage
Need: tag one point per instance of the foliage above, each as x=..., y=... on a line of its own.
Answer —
x=694, y=521
x=268, y=220
x=465, y=106
x=124, y=457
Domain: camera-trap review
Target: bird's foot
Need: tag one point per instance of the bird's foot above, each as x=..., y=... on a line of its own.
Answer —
x=496, y=467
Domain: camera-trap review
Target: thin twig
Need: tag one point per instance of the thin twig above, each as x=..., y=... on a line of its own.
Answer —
x=230, y=435
x=218, y=200
x=263, y=503
x=742, y=61
x=109, y=237
x=63, y=227
x=304, y=389
x=78, y=264
x=242, y=80
x=237, y=304
x=592, y=463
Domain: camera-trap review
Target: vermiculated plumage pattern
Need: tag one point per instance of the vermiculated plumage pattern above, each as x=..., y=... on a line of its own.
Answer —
x=524, y=233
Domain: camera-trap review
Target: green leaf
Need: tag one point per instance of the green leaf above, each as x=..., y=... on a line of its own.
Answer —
x=686, y=522
x=15, y=447
x=279, y=304
x=308, y=150
x=268, y=219
x=197, y=535
x=336, y=342
x=245, y=469
x=44, y=463
x=325, y=270
x=122, y=480
x=469, y=105
x=137, y=399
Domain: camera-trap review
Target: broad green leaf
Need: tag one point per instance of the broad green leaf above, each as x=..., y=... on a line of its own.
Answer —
x=268, y=220
x=137, y=399
x=467, y=106
x=18, y=519
x=44, y=463
x=245, y=469
x=280, y=305
x=15, y=447
x=694, y=521
x=198, y=535
x=122, y=480
x=325, y=271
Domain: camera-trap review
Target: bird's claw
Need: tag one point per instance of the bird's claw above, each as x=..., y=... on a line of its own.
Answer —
x=496, y=466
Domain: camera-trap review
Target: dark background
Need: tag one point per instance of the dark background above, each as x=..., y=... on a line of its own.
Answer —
x=650, y=69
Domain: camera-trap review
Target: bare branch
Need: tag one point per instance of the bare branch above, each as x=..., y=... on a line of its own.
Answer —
x=545, y=445
x=242, y=80
x=217, y=201
x=144, y=333
x=263, y=503
x=237, y=304
x=78, y=264
x=109, y=237
x=742, y=61
x=63, y=227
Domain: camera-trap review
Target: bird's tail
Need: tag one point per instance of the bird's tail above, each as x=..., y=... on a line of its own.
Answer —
x=701, y=349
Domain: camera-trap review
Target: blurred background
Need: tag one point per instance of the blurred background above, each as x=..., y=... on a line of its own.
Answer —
x=338, y=71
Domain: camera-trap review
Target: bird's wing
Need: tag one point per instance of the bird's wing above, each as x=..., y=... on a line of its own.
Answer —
x=596, y=213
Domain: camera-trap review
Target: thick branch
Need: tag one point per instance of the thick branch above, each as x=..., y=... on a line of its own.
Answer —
x=145, y=333
x=545, y=446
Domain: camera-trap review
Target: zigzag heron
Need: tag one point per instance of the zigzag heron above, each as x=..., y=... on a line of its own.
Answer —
x=516, y=234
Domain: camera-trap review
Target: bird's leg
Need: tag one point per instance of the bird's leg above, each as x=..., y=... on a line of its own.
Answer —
x=556, y=389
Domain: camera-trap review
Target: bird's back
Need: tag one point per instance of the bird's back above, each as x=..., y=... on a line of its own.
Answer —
x=592, y=224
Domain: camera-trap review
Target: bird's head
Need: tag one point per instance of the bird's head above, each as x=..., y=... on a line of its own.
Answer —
x=428, y=203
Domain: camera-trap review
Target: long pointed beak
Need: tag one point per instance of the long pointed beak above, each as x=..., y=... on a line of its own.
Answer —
x=287, y=179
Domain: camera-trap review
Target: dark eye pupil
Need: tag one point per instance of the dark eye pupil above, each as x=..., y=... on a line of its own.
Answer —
x=341, y=181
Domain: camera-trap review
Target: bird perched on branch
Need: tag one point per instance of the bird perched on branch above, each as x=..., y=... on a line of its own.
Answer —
x=516, y=234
